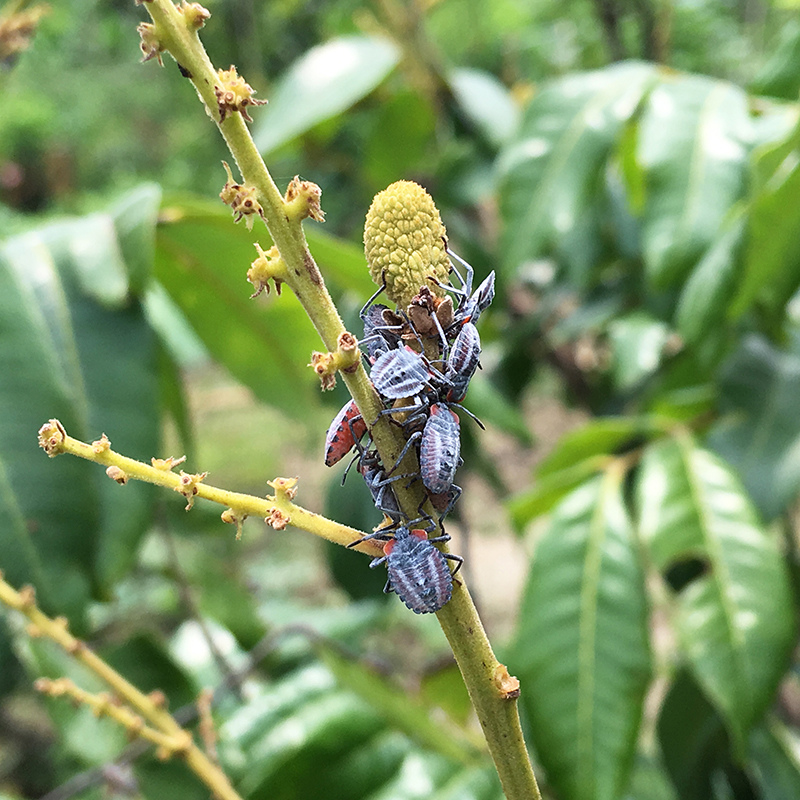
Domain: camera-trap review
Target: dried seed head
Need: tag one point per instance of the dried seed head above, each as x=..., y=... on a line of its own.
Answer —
x=242, y=199
x=277, y=519
x=404, y=242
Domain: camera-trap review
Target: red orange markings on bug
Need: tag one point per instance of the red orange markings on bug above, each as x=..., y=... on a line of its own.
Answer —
x=347, y=428
x=417, y=570
x=418, y=393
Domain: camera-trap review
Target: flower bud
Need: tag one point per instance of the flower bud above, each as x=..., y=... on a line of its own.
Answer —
x=404, y=241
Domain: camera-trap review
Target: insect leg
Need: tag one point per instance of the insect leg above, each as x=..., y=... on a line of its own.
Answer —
x=454, y=557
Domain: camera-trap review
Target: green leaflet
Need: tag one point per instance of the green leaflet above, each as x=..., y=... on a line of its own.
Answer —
x=735, y=621
x=582, y=650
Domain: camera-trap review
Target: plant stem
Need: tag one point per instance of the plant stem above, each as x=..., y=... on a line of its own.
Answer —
x=459, y=619
x=278, y=507
x=497, y=714
x=176, y=738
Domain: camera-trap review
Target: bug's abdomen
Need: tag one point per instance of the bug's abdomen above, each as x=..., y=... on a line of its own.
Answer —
x=347, y=427
x=440, y=450
x=419, y=574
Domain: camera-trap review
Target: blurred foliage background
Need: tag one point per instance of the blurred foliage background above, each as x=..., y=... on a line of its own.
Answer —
x=631, y=168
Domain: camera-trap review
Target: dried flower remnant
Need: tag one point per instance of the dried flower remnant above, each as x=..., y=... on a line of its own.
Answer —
x=150, y=44
x=303, y=199
x=242, y=199
x=234, y=94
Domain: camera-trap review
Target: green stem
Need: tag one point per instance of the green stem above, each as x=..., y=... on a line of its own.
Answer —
x=459, y=619
x=55, y=440
x=56, y=630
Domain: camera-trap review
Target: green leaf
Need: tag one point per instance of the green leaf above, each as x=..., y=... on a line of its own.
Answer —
x=402, y=134
x=549, y=489
x=471, y=784
x=602, y=436
x=772, y=254
x=135, y=217
x=324, y=82
x=202, y=260
x=552, y=170
x=10, y=668
x=692, y=144
x=582, y=647
x=649, y=781
x=73, y=345
x=168, y=779
x=488, y=403
x=418, y=777
x=703, y=303
x=758, y=432
x=637, y=343
x=144, y=661
x=735, y=621
x=289, y=756
x=774, y=755
x=445, y=687
x=692, y=739
x=579, y=455
x=362, y=771
x=414, y=717
x=780, y=75
x=173, y=329
x=486, y=102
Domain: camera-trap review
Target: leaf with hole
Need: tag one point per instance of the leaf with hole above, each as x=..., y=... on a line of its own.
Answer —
x=735, y=620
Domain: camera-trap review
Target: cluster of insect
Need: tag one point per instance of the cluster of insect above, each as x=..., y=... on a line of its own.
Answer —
x=419, y=388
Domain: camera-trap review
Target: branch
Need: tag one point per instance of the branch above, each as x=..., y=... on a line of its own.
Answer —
x=162, y=730
x=492, y=691
x=278, y=510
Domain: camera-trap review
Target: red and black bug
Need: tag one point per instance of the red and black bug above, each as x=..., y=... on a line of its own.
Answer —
x=348, y=428
x=418, y=571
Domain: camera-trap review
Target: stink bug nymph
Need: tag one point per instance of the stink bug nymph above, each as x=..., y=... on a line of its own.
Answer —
x=347, y=428
x=418, y=570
